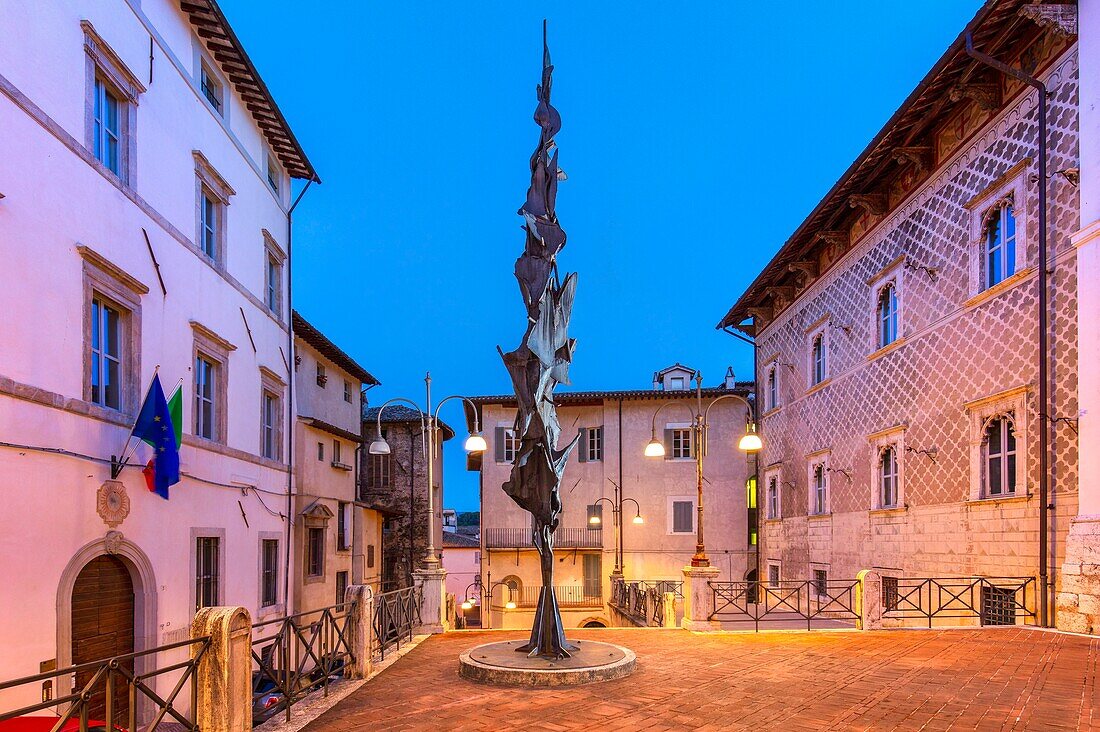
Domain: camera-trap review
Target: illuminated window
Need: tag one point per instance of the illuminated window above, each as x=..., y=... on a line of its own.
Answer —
x=999, y=447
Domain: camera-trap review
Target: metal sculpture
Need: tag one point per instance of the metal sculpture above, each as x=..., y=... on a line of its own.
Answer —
x=539, y=364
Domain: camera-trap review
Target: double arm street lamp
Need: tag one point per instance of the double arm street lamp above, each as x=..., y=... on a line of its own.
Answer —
x=617, y=520
x=429, y=422
x=750, y=443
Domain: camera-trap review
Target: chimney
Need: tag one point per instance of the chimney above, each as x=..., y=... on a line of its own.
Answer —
x=731, y=382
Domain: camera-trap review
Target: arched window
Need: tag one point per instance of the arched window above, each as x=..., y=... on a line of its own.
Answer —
x=818, y=359
x=888, y=477
x=887, y=315
x=773, y=389
x=1000, y=244
x=999, y=446
x=773, y=497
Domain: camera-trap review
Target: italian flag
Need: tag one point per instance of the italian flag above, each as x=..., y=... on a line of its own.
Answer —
x=175, y=411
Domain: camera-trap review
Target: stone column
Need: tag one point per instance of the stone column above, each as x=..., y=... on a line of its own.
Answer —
x=869, y=599
x=360, y=629
x=669, y=620
x=1077, y=606
x=223, y=679
x=433, y=604
x=699, y=598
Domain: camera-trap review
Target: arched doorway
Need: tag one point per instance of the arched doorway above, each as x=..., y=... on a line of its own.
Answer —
x=103, y=627
x=752, y=588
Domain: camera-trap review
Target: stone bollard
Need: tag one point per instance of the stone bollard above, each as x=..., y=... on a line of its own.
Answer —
x=360, y=629
x=433, y=603
x=699, y=598
x=869, y=600
x=669, y=620
x=223, y=678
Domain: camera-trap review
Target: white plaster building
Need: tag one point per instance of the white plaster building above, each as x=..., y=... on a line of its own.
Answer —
x=144, y=227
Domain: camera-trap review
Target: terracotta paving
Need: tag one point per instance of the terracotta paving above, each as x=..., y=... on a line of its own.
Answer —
x=992, y=679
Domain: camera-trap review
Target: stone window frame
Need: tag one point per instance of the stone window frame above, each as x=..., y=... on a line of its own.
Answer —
x=216, y=349
x=820, y=587
x=104, y=279
x=979, y=413
x=308, y=578
x=205, y=532
x=278, y=607
x=1011, y=186
x=891, y=274
x=813, y=460
x=671, y=524
x=274, y=254
x=893, y=437
x=670, y=441
x=773, y=472
x=272, y=384
x=772, y=393
x=208, y=179
x=101, y=61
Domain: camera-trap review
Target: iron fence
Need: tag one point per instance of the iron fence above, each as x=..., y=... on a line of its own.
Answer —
x=295, y=655
x=109, y=693
x=643, y=601
x=787, y=602
x=564, y=538
x=992, y=600
x=396, y=616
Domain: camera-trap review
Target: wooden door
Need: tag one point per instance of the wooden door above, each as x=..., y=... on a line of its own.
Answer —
x=103, y=627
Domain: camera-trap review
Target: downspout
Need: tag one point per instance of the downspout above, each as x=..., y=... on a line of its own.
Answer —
x=621, y=560
x=1043, y=348
x=290, y=422
x=412, y=507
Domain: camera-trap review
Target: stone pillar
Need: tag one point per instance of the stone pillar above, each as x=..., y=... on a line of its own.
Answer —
x=223, y=679
x=433, y=603
x=360, y=629
x=669, y=620
x=699, y=598
x=1077, y=606
x=869, y=600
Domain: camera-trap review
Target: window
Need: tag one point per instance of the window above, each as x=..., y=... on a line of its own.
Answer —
x=683, y=516
x=273, y=278
x=772, y=396
x=888, y=477
x=106, y=354
x=211, y=87
x=999, y=445
x=887, y=315
x=106, y=127
x=341, y=586
x=274, y=173
x=1000, y=244
x=347, y=391
x=321, y=451
x=379, y=471
x=208, y=224
x=110, y=107
x=506, y=445
x=773, y=575
x=680, y=437
x=322, y=378
x=315, y=552
x=819, y=490
x=206, y=572
x=595, y=515
x=336, y=455
x=890, y=597
x=593, y=584
x=595, y=444
x=212, y=194
x=818, y=360
x=370, y=556
x=677, y=383
x=821, y=583
x=206, y=374
x=750, y=492
x=343, y=526
x=773, y=497
x=271, y=442
x=269, y=572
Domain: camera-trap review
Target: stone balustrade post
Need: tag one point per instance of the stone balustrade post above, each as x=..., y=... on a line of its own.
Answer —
x=433, y=602
x=360, y=633
x=869, y=600
x=699, y=598
x=223, y=678
x=669, y=619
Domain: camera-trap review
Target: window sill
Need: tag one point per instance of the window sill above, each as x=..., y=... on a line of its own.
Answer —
x=340, y=466
x=312, y=579
x=997, y=500
x=890, y=511
x=770, y=412
x=820, y=516
x=1000, y=287
x=680, y=460
x=818, y=386
x=776, y=520
x=889, y=347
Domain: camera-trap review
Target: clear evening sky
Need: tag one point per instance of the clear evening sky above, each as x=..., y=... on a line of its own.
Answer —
x=696, y=137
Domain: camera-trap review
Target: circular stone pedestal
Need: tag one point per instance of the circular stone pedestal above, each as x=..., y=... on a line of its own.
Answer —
x=500, y=663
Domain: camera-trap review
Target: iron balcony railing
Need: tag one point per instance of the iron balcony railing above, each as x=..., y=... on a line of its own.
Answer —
x=790, y=602
x=567, y=595
x=396, y=616
x=110, y=693
x=564, y=538
x=992, y=600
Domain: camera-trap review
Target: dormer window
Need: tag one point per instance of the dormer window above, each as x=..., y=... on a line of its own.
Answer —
x=676, y=383
x=1000, y=244
x=211, y=88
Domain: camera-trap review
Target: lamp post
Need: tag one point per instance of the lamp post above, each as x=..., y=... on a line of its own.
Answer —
x=617, y=521
x=429, y=422
x=749, y=442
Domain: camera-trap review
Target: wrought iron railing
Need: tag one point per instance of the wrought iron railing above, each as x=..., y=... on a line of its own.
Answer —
x=643, y=601
x=564, y=538
x=992, y=600
x=396, y=617
x=790, y=601
x=295, y=655
x=567, y=595
x=118, y=692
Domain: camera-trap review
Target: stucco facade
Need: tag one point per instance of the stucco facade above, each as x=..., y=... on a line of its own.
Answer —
x=927, y=402
x=124, y=238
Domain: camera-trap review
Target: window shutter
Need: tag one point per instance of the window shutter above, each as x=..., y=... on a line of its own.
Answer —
x=668, y=444
x=583, y=456
x=498, y=444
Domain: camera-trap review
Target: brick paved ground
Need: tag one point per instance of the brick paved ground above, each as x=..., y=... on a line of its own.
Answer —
x=992, y=679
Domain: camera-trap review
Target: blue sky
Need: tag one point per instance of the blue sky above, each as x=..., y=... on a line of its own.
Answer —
x=696, y=137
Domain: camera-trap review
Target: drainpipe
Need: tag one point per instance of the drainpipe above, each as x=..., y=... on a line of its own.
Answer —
x=621, y=561
x=1043, y=356
x=290, y=422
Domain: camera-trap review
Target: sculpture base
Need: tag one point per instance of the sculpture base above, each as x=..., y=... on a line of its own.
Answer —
x=500, y=663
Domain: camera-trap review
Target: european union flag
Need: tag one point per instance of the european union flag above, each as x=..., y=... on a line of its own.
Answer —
x=154, y=427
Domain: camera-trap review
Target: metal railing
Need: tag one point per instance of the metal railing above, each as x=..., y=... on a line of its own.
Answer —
x=396, y=616
x=295, y=655
x=109, y=692
x=564, y=538
x=643, y=601
x=567, y=596
x=790, y=602
x=992, y=600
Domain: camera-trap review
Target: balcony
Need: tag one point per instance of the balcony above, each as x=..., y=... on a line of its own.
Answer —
x=583, y=538
x=569, y=596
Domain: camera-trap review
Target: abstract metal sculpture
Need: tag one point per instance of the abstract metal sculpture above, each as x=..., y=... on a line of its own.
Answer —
x=539, y=364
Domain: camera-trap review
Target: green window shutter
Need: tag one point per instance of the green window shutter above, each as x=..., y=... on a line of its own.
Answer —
x=583, y=453
x=498, y=444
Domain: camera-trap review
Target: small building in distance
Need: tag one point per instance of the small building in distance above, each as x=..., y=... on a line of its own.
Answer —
x=462, y=560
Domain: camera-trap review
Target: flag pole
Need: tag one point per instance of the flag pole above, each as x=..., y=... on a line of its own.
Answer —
x=120, y=462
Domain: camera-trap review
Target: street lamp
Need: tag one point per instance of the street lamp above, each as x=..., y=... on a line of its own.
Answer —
x=429, y=423
x=750, y=442
x=617, y=520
